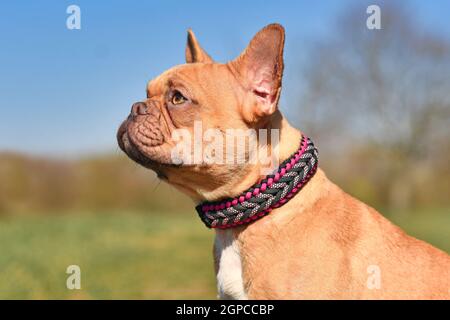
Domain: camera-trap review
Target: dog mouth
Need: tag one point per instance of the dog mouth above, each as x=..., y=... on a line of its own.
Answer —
x=135, y=144
x=131, y=149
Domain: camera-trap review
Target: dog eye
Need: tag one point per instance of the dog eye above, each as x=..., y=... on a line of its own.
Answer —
x=178, y=98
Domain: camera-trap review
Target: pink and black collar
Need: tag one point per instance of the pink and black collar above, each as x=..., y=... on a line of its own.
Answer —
x=272, y=192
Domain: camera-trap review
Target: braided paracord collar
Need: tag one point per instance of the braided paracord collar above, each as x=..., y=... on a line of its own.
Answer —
x=272, y=192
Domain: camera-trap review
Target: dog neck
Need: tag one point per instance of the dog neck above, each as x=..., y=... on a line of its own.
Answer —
x=271, y=192
x=234, y=184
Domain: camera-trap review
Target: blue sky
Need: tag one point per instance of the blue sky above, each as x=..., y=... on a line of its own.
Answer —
x=65, y=92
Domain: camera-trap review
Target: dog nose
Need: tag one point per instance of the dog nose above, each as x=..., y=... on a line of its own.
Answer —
x=139, y=109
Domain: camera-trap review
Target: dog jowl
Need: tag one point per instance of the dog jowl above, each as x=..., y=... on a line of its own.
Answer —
x=287, y=234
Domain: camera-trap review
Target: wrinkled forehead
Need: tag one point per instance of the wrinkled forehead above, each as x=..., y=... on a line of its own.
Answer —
x=186, y=74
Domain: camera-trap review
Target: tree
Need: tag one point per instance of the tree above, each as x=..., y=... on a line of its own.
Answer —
x=386, y=93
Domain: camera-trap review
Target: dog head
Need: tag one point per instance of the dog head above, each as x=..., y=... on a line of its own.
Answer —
x=241, y=94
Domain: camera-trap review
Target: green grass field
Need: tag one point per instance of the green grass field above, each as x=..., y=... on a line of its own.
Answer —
x=130, y=256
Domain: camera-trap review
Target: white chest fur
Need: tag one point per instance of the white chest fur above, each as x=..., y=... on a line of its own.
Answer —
x=229, y=276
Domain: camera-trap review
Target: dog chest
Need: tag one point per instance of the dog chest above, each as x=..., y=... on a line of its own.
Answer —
x=230, y=283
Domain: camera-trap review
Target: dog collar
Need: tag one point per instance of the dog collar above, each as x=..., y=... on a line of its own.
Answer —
x=272, y=192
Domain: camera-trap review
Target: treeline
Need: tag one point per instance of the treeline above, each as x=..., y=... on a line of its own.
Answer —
x=388, y=179
x=103, y=183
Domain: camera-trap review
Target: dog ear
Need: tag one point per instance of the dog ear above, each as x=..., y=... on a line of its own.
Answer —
x=194, y=52
x=260, y=67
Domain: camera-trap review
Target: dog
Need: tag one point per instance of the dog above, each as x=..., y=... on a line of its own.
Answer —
x=317, y=242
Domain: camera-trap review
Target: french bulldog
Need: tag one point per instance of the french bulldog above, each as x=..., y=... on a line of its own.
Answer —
x=322, y=243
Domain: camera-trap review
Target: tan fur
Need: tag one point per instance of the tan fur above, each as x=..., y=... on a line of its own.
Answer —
x=321, y=243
